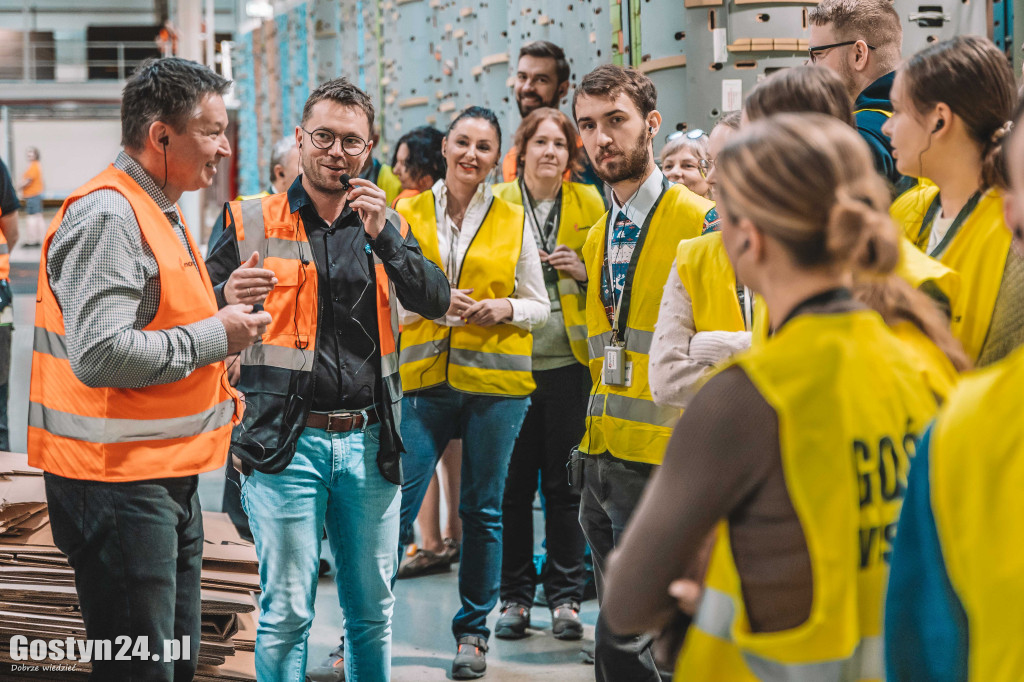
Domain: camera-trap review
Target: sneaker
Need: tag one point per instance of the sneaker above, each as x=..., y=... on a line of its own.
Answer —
x=470, y=658
x=565, y=621
x=423, y=562
x=513, y=621
x=331, y=669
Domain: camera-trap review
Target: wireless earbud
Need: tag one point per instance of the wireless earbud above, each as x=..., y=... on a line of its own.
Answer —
x=651, y=129
x=939, y=126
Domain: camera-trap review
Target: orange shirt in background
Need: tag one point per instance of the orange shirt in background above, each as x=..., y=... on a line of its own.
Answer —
x=34, y=175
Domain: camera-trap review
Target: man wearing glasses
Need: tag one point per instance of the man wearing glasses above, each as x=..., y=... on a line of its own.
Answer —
x=319, y=443
x=861, y=40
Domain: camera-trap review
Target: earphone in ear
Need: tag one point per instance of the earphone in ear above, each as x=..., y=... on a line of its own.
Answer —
x=745, y=246
x=650, y=129
x=940, y=125
x=165, y=140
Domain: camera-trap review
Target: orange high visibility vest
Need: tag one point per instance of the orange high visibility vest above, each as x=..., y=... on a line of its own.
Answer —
x=268, y=227
x=121, y=434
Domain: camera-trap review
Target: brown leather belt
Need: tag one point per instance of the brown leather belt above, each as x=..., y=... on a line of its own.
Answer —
x=342, y=422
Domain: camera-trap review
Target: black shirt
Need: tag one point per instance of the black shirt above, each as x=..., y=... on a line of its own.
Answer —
x=8, y=196
x=347, y=374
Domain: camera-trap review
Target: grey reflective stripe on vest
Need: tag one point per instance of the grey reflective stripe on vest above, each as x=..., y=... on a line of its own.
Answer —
x=715, y=614
x=577, y=332
x=283, y=357
x=49, y=343
x=637, y=341
x=422, y=351
x=495, y=361
x=715, y=617
x=389, y=364
x=568, y=287
x=105, y=430
x=640, y=410
x=596, y=405
x=255, y=233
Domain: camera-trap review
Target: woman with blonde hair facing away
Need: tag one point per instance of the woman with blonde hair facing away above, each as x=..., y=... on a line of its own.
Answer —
x=470, y=372
x=951, y=105
x=681, y=159
x=559, y=213
x=808, y=490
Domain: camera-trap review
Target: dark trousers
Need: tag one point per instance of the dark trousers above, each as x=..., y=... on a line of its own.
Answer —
x=554, y=425
x=611, y=490
x=137, y=551
x=5, y=372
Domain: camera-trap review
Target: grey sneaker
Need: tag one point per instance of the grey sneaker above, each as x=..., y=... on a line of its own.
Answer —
x=331, y=669
x=565, y=621
x=470, y=658
x=513, y=621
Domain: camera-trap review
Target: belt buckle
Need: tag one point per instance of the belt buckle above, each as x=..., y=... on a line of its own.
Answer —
x=348, y=421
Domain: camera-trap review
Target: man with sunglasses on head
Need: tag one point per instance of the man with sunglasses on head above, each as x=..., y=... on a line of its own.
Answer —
x=861, y=40
x=319, y=444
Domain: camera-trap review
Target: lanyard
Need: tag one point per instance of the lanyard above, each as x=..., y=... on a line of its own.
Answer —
x=546, y=236
x=622, y=305
x=929, y=219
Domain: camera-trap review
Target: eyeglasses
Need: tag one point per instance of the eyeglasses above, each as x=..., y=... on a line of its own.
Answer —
x=705, y=166
x=811, y=51
x=694, y=134
x=322, y=138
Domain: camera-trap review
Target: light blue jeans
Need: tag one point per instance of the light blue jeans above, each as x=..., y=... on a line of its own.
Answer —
x=333, y=479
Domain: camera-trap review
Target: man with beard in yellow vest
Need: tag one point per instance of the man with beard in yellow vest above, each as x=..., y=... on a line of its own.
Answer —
x=628, y=255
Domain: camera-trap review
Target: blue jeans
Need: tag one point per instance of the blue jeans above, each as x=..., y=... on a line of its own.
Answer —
x=334, y=479
x=489, y=426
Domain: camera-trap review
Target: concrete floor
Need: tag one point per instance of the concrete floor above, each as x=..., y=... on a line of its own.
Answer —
x=423, y=645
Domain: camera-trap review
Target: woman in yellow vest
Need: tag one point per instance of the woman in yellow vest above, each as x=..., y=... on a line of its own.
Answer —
x=560, y=214
x=951, y=103
x=956, y=590
x=799, y=449
x=470, y=372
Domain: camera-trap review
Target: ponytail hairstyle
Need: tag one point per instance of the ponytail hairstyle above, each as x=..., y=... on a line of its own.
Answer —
x=800, y=90
x=974, y=79
x=809, y=182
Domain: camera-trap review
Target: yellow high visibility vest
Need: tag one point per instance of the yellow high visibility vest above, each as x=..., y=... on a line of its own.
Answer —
x=706, y=272
x=976, y=472
x=489, y=360
x=624, y=420
x=581, y=207
x=389, y=182
x=977, y=252
x=848, y=423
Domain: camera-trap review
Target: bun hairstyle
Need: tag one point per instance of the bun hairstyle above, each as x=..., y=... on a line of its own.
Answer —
x=809, y=182
x=974, y=79
x=800, y=90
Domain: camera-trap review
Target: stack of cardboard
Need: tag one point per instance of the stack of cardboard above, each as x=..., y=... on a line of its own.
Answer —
x=38, y=598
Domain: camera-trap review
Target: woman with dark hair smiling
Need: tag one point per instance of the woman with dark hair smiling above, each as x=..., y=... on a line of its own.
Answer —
x=470, y=372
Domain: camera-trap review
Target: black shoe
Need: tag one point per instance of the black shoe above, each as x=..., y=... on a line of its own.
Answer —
x=565, y=621
x=470, y=658
x=513, y=621
x=331, y=669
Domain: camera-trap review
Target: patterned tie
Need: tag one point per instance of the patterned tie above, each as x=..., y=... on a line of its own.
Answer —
x=625, y=235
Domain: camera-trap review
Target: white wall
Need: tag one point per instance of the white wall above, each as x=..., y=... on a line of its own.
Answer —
x=71, y=151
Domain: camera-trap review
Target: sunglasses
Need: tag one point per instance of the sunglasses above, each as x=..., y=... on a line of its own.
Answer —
x=694, y=134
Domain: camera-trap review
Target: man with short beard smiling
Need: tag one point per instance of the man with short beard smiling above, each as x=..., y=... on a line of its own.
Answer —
x=320, y=441
x=628, y=255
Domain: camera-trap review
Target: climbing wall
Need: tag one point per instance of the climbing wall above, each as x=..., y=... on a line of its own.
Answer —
x=423, y=61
